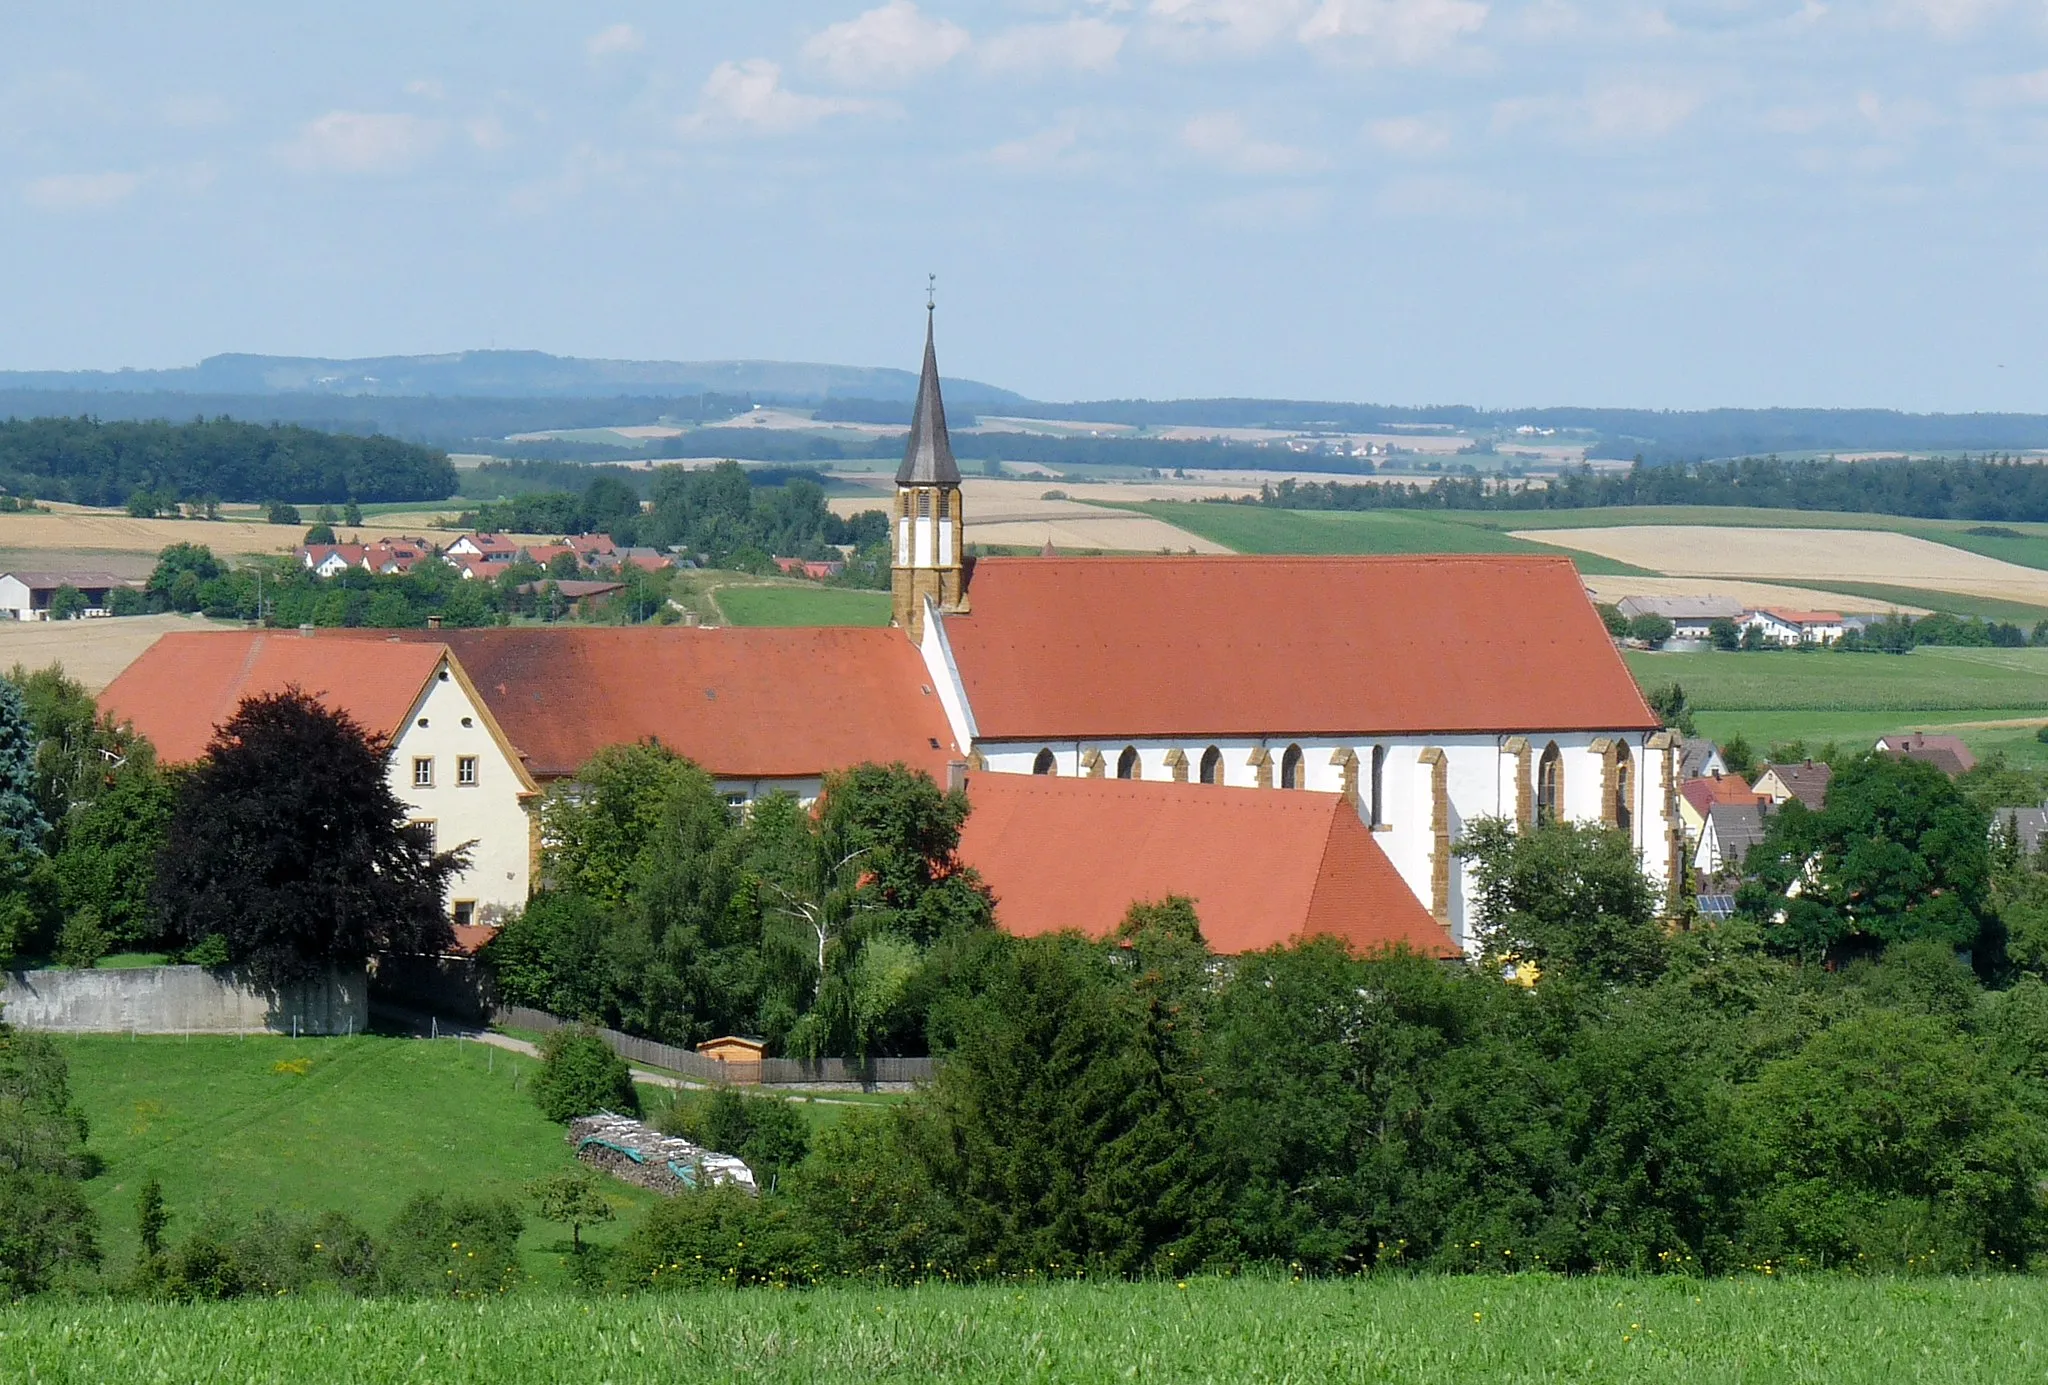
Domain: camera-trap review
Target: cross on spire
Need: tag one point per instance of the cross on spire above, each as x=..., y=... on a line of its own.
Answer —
x=931, y=292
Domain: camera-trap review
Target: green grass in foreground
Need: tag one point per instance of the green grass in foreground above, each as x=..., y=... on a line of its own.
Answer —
x=232, y=1123
x=1433, y=1331
x=768, y=605
x=1256, y=529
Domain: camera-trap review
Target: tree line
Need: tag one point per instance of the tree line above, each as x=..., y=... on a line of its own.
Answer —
x=1974, y=488
x=1849, y=1075
x=91, y=462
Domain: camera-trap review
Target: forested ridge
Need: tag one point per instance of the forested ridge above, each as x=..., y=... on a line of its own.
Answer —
x=1987, y=488
x=94, y=463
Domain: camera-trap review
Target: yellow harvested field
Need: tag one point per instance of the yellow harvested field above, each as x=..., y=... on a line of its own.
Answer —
x=79, y=531
x=1015, y=513
x=1806, y=555
x=1614, y=588
x=92, y=651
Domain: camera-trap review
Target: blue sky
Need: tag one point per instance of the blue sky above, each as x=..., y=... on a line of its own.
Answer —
x=1502, y=202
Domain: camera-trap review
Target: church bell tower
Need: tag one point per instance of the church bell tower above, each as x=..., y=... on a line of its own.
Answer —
x=926, y=559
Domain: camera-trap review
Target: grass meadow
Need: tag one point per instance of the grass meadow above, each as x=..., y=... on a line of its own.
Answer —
x=307, y=1125
x=808, y=605
x=1420, y=1331
x=1819, y=696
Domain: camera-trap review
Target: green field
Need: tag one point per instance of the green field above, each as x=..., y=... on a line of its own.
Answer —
x=1855, y=698
x=769, y=605
x=1425, y=1331
x=1256, y=529
x=229, y=1123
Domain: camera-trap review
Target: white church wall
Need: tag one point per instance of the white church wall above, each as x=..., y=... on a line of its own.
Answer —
x=1480, y=782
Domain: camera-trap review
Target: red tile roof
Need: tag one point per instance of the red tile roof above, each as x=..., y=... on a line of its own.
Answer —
x=1705, y=792
x=743, y=703
x=1059, y=648
x=1789, y=617
x=1264, y=866
x=186, y=684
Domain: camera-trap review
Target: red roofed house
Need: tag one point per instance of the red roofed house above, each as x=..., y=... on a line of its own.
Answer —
x=1697, y=797
x=1263, y=869
x=331, y=559
x=1796, y=627
x=450, y=762
x=1428, y=690
x=761, y=709
x=492, y=548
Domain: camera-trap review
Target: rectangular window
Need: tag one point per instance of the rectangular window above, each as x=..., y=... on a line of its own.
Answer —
x=423, y=772
x=465, y=771
x=427, y=829
x=465, y=912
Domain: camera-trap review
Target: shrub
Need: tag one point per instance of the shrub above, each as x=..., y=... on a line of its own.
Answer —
x=82, y=941
x=460, y=1247
x=579, y=1074
x=715, y=1236
x=770, y=1134
x=868, y=1205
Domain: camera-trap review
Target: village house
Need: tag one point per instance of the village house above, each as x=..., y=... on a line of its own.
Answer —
x=1946, y=753
x=1691, y=617
x=492, y=549
x=1806, y=781
x=27, y=595
x=1697, y=796
x=1730, y=830
x=450, y=763
x=1778, y=625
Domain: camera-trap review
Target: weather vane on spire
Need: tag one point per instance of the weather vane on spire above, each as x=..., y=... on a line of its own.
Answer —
x=931, y=292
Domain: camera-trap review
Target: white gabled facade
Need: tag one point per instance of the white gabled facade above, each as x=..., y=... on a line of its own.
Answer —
x=452, y=766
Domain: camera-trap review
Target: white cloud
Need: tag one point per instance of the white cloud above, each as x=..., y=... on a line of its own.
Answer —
x=887, y=46
x=1402, y=31
x=362, y=142
x=1080, y=45
x=1228, y=25
x=1436, y=195
x=1638, y=110
x=1048, y=148
x=79, y=192
x=2019, y=89
x=195, y=112
x=614, y=40
x=1949, y=18
x=486, y=132
x=427, y=88
x=1616, y=113
x=749, y=97
x=1410, y=136
x=1222, y=139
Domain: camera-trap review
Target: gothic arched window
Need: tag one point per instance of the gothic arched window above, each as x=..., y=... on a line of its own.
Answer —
x=1550, y=786
x=924, y=504
x=1290, y=768
x=1127, y=766
x=1379, y=786
x=945, y=504
x=1624, y=788
x=1044, y=764
x=1212, y=766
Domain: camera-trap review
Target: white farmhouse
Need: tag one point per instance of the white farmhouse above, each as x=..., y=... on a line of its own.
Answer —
x=27, y=595
x=449, y=762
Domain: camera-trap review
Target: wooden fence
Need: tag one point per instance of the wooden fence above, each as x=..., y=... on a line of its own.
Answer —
x=770, y=1071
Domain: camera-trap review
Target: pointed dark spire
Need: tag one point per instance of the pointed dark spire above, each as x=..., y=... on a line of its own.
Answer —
x=928, y=460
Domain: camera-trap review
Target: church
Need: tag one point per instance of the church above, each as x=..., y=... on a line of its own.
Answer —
x=1299, y=743
x=1428, y=691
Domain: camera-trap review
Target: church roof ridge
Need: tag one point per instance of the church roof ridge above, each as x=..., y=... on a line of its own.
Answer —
x=928, y=457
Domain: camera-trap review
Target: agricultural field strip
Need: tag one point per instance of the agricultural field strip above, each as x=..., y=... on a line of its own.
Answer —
x=1808, y=556
x=2002, y=684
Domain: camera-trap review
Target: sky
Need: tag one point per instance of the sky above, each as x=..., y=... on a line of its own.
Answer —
x=1497, y=202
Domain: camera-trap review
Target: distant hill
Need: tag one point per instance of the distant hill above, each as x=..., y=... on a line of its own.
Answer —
x=505, y=375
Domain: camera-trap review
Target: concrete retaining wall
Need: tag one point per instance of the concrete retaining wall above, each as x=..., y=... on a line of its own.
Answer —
x=181, y=1000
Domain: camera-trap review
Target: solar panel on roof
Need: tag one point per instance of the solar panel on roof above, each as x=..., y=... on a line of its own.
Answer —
x=1717, y=906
